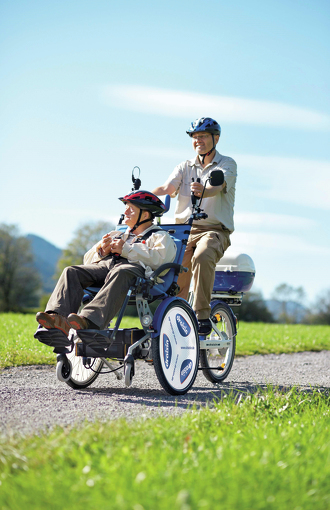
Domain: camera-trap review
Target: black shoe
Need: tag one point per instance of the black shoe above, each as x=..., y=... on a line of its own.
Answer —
x=204, y=327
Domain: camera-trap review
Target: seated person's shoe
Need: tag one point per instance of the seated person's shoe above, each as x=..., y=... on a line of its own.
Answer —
x=204, y=327
x=78, y=321
x=52, y=321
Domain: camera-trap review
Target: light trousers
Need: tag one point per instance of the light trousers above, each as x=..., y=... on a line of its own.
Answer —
x=206, y=246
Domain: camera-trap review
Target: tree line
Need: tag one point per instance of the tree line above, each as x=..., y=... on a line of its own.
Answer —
x=21, y=285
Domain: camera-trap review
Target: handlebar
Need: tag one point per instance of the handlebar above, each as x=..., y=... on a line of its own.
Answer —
x=193, y=197
x=216, y=179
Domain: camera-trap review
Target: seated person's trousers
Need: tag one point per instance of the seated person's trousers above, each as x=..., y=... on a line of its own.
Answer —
x=114, y=279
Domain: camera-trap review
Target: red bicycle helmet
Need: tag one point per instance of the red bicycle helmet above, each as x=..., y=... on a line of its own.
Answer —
x=146, y=201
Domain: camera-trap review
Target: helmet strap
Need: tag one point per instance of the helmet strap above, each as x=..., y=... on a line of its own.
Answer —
x=208, y=153
x=138, y=223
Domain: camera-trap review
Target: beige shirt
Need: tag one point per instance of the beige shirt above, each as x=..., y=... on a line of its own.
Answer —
x=158, y=249
x=219, y=208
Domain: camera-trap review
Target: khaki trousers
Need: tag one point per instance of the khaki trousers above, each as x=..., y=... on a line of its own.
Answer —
x=114, y=280
x=206, y=245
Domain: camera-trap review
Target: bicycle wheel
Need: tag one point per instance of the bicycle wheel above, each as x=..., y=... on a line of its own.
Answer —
x=176, y=350
x=83, y=375
x=217, y=363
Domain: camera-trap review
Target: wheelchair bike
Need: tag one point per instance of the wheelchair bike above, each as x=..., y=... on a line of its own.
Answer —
x=168, y=338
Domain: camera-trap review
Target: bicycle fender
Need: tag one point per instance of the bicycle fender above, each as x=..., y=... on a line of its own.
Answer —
x=159, y=314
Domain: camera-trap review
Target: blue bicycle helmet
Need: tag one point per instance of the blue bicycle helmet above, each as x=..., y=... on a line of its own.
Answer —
x=204, y=124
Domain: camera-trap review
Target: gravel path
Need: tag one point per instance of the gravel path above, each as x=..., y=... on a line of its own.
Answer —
x=32, y=399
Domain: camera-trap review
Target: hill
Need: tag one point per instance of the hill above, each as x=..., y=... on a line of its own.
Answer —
x=46, y=256
x=294, y=310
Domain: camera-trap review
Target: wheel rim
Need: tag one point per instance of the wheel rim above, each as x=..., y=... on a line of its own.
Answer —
x=221, y=357
x=63, y=371
x=178, y=348
x=81, y=374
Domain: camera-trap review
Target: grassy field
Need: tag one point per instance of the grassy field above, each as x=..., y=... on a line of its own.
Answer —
x=18, y=347
x=270, y=451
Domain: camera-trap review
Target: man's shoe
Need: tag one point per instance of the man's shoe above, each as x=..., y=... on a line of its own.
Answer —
x=204, y=327
x=78, y=321
x=53, y=320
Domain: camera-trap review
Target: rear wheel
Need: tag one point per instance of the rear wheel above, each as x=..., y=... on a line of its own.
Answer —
x=84, y=370
x=217, y=363
x=176, y=350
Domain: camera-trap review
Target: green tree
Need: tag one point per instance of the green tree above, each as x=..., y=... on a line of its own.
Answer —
x=321, y=309
x=20, y=283
x=84, y=238
x=287, y=294
x=254, y=309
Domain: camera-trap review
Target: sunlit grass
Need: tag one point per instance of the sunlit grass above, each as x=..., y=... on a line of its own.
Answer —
x=260, y=338
x=270, y=451
x=19, y=347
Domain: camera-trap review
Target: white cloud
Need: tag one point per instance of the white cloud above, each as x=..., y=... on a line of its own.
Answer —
x=266, y=244
x=271, y=222
x=173, y=103
x=295, y=180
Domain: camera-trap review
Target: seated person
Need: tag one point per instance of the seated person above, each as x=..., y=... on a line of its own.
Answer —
x=113, y=264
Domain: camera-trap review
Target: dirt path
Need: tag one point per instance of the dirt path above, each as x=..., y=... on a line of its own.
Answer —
x=32, y=399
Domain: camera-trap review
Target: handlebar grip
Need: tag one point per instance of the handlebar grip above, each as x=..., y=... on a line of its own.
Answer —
x=193, y=198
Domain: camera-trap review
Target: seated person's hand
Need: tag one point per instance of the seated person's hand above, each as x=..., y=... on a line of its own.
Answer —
x=104, y=247
x=117, y=246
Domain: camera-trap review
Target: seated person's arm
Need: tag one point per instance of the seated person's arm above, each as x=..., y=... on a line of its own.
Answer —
x=100, y=249
x=158, y=249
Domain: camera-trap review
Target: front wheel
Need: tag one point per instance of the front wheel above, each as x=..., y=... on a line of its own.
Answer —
x=217, y=363
x=63, y=368
x=84, y=370
x=176, y=350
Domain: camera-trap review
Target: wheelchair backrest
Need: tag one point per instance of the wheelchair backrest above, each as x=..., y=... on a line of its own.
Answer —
x=179, y=234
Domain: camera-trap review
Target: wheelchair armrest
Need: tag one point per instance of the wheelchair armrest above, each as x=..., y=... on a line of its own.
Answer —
x=170, y=265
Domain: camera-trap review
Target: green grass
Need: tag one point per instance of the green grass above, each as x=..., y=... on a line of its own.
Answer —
x=260, y=338
x=271, y=451
x=18, y=347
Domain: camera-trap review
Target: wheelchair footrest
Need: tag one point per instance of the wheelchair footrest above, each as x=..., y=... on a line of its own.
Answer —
x=54, y=338
x=97, y=343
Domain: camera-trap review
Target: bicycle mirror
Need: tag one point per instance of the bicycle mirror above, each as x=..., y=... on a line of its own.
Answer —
x=217, y=178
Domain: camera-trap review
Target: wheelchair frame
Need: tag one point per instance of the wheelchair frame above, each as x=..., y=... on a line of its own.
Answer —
x=168, y=339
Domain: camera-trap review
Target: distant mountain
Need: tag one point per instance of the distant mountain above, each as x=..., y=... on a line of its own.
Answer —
x=293, y=309
x=46, y=256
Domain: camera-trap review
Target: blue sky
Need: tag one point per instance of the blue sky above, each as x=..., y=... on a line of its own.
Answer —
x=90, y=89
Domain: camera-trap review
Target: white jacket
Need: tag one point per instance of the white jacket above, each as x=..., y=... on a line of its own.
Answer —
x=158, y=249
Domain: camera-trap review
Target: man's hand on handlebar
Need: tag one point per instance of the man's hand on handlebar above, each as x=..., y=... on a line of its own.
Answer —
x=196, y=188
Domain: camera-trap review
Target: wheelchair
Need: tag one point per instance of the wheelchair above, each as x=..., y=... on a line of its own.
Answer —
x=168, y=338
